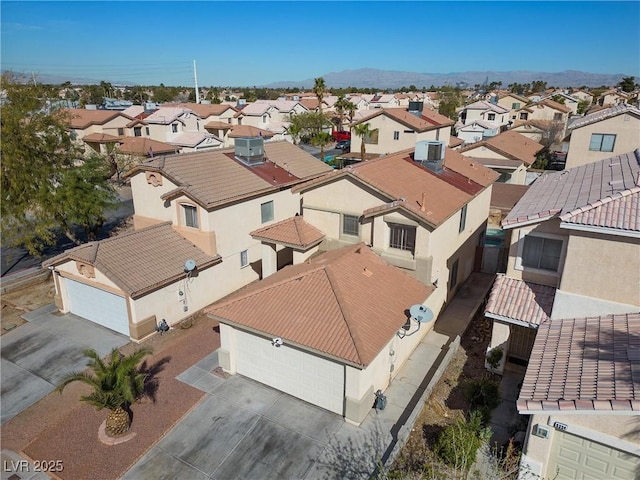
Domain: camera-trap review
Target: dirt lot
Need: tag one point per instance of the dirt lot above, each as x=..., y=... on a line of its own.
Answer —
x=448, y=401
x=26, y=299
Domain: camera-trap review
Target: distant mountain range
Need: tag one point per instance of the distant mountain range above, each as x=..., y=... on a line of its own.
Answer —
x=374, y=78
x=383, y=79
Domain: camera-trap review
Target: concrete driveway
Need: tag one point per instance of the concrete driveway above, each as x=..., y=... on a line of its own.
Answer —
x=36, y=355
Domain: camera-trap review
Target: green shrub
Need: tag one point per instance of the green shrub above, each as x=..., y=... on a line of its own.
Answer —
x=458, y=443
x=494, y=356
x=483, y=394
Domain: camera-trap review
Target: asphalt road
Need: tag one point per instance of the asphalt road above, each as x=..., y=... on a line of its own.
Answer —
x=14, y=261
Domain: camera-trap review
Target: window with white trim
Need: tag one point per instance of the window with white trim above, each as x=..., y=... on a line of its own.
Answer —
x=541, y=253
x=244, y=258
x=396, y=135
x=515, y=105
x=137, y=131
x=121, y=132
x=491, y=116
x=524, y=115
x=146, y=129
x=602, y=142
x=174, y=128
x=266, y=212
x=190, y=215
x=350, y=225
x=402, y=237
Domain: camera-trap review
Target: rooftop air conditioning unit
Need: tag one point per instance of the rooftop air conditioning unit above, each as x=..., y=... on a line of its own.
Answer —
x=250, y=150
x=430, y=154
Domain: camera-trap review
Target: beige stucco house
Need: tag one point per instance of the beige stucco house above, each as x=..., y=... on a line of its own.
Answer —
x=83, y=122
x=602, y=134
x=396, y=129
x=509, y=153
x=573, y=253
x=546, y=109
x=483, y=110
x=513, y=102
x=205, y=206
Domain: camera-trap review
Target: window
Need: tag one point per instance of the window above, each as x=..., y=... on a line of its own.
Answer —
x=350, y=225
x=402, y=237
x=515, y=105
x=409, y=131
x=229, y=121
x=557, y=116
x=541, y=253
x=524, y=115
x=264, y=119
x=601, y=142
x=190, y=216
x=244, y=258
x=372, y=138
x=121, y=132
x=266, y=212
x=239, y=120
x=453, y=274
x=396, y=135
x=463, y=219
x=147, y=131
x=491, y=116
x=174, y=128
x=137, y=131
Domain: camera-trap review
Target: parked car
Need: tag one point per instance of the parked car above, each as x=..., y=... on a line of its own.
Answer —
x=344, y=145
x=339, y=135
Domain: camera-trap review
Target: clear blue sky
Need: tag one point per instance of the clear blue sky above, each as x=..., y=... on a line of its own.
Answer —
x=256, y=43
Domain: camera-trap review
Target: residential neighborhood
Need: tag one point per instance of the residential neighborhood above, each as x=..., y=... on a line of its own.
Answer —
x=320, y=279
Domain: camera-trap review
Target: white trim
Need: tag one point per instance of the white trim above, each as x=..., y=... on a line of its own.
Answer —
x=528, y=222
x=604, y=230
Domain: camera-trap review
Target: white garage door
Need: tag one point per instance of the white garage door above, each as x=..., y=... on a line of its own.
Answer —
x=98, y=306
x=577, y=458
x=300, y=374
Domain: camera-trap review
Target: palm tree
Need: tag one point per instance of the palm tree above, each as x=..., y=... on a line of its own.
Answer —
x=343, y=105
x=321, y=139
x=319, y=88
x=363, y=130
x=116, y=385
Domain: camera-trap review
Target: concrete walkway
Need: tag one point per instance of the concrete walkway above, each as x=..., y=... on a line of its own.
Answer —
x=243, y=429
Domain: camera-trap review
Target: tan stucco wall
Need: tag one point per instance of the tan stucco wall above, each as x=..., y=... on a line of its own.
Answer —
x=627, y=139
x=551, y=227
x=605, y=429
x=146, y=198
x=603, y=266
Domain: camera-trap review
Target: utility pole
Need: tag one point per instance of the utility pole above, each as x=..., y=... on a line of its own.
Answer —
x=195, y=76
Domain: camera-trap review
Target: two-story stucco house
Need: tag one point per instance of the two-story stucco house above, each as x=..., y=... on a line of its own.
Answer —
x=492, y=113
x=83, y=122
x=396, y=129
x=509, y=153
x=573, y=251
x=545, y=109
x=602, y=134
x=199, y=206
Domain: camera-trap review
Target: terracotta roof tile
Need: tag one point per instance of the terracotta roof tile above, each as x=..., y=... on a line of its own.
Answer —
x=293, y=231
x=555, y=105
x=511, y=144
x=144, y=146
x=427, y=120
x=242, y=131
x=621, y=212
x=213, y=177
x=519, y=301
x=100, y=138
x=203, y=110
x=142, y=260
x=455, y=141
x=346, y=304
x=192, y=139
x=166, y=115
x=584, y=364
x=81, y=118
x=561, y=193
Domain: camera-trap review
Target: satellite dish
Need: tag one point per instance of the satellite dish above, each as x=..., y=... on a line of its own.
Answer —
x=189, y=265
x=420, y=313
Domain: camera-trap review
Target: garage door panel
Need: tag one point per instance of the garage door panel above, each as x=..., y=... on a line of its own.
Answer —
x=577, y=458
x=295, y=372
x=98, y=306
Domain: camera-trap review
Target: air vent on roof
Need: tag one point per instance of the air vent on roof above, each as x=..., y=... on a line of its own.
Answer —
x=250, y=150
x=430, y=154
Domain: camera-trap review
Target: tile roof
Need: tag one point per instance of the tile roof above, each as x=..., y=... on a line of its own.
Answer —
x=555, y=105
x=81, y=118
x=100, y=138
x=455, y=141
x=621, y=213
x=166, y=115
x=203, y=110
x=346, y=304
x=142, y=260
x=192, y=139
x=496, y=162
x=145, y=146
x=397, y=176
x=293, y=232
x=309, y=103
x=559, y=193
x=584, y=364
x=133, y=111
x=484, y=105
x=518, y=301
x=604, y=114
x=242, y=131
x=514, y=95
x=213, y=177
x=428, y=120
x=510, y=144
x=505, y=195
x=254, y=109
x=219, y=125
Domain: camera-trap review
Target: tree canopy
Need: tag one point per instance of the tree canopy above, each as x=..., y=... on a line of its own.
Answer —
x=47, y=185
